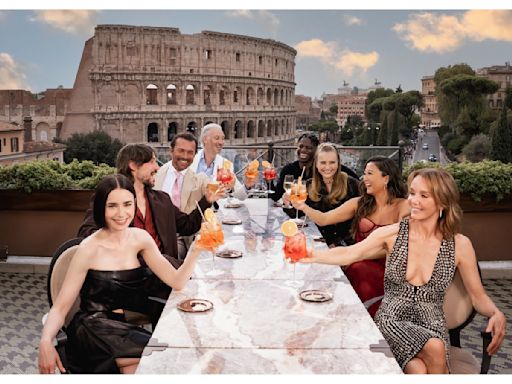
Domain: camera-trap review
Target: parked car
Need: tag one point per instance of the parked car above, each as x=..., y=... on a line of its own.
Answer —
x=432, y=157
x=424, y=146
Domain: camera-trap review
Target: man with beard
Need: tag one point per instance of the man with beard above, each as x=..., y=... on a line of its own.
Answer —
x=183, y=185
x=208, y=160
x=154, y=212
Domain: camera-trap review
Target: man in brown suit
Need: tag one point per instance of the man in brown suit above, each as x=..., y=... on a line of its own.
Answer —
x=155, y=211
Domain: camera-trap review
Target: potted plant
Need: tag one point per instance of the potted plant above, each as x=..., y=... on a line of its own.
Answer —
x=486, y=199
x=42, y=203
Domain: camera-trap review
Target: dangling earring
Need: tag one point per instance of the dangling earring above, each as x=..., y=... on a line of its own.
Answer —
x=440, y=213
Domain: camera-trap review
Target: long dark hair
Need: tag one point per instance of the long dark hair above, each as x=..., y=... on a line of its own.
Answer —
x=103, y=189
x=396, y=189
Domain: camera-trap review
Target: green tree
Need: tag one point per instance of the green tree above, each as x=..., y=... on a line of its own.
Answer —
x=382, y=139
x=458, y=87
x=508, y=97
x=96, y=146
x=478, y=148
x=333, y=109
x=502, y=139
x=373, y=113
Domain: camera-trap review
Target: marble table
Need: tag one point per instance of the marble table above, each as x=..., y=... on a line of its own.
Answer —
x=258, y=323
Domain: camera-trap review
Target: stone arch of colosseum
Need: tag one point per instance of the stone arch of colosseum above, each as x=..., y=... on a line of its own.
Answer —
x=146, y=84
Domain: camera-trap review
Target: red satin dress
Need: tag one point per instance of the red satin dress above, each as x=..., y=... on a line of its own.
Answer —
x=367, y=276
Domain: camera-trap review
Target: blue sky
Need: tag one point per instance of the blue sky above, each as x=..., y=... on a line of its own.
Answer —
x=41, y=49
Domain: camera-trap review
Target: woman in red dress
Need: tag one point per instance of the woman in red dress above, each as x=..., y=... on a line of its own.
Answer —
x=382, y=202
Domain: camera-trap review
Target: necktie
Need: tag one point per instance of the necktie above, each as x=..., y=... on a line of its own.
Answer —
x=175, y=191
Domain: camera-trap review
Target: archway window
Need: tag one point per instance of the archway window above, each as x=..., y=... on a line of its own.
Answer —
x=276, y=96
x=172, y=130
x=269, y=97
x=171, y=94
x=238, y=129
x=261, y=128
x=222, y=95
x=207, y=95
x=250, y=96
x=189, y=89
x=260, y=97
x=250, y=129
x=269, y=128
x=151, y=94
x=153, y=133
x=226, y=129
x=192, y=127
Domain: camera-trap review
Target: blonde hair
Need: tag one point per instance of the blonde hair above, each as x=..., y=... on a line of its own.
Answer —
x=446, y=194
x=339, y=187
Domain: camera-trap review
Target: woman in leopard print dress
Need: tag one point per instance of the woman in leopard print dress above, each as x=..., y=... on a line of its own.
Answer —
x=422, y=254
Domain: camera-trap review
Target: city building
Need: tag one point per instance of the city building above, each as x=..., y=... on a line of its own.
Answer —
x=46, y=110
x=145, y=84
x=350, y=105
x=308, y=111
x=17, y=146
x=502, y=75
x=428, y=113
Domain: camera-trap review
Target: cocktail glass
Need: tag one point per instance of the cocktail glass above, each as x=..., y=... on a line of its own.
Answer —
x=298, y=193
x=211, y=236
x=295, y=248
x=251, y=173
x=270, y=174
x=225, y=176
x=287, y=185
x=213, y=186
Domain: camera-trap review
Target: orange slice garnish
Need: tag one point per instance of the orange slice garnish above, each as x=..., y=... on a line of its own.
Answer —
x=289, y=228
x=209, y=215
x=227, y=164
x=254, y=164
x=266, y=164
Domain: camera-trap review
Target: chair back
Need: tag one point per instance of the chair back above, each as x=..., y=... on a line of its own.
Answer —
x=57, y=272
x=458, y=308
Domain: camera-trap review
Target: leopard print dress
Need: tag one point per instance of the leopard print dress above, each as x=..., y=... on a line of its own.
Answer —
x=410, y=315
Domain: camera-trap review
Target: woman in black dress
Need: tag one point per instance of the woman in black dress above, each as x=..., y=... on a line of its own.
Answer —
x=106, y=273
x=329, y=188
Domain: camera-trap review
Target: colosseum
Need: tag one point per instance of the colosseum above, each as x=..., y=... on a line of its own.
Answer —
x=145, y=84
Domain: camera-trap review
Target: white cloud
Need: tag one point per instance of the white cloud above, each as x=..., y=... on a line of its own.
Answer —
x=439, y=33
x=345, y=61
x=350, y=61
x=316, y=48
x=11, y=75
x=353, y=20
x=79, y=21
x=266, y=18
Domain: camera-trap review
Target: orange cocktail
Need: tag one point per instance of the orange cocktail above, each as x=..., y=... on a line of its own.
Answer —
x=295, y=246
x=251, y=171
x=298, y=193
x=210, y=235
x=213, y=186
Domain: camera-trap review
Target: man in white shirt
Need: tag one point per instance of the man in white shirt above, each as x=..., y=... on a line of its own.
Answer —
x=208, y=159
x=183, y=185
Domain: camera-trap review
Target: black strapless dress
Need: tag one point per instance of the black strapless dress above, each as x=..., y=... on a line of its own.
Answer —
x=96, y=335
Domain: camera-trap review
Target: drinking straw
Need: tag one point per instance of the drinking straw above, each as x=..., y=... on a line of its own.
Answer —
x=302, y=174
x=273, y=158
x=201, y=212
x=304, y=221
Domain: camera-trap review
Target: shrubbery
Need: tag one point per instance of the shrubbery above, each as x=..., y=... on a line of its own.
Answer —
x=487, y=177
x=53, y=175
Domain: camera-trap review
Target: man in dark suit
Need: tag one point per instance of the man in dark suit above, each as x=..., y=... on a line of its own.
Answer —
x=155, y=211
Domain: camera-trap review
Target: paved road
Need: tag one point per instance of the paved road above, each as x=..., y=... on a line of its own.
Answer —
x=434, y=147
